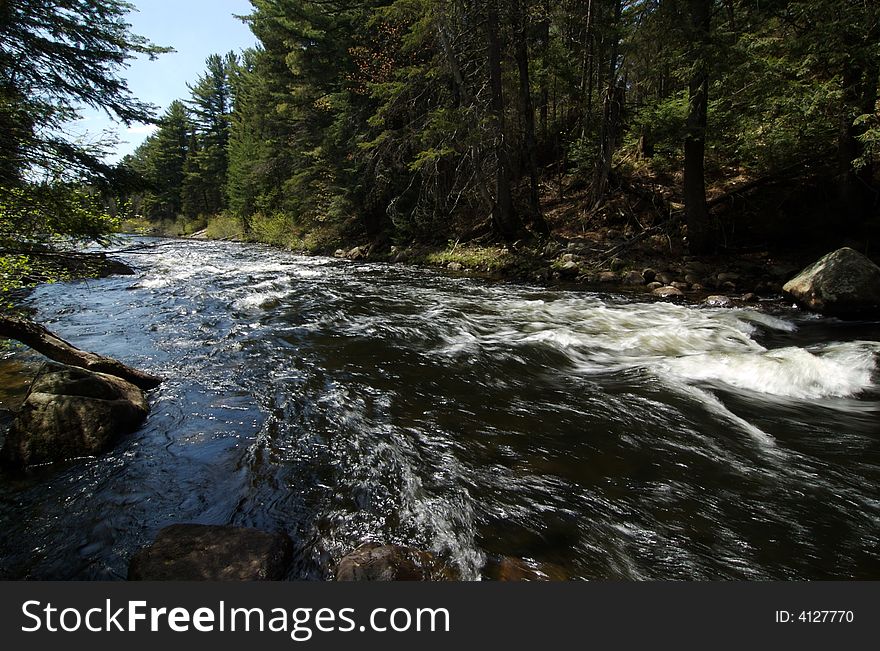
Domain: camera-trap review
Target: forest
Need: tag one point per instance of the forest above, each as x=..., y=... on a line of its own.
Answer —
x=725, y=124
x=740, y=122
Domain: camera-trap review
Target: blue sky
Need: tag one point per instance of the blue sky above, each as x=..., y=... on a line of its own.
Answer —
x=195, y=29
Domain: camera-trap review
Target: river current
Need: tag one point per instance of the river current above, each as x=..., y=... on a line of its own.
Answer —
x=590, y=436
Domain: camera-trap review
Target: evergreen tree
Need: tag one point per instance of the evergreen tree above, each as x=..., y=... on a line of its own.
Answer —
x=431, y=120
x=211, y=105
x=55, y=57
x=162, y=160
x=700, y=236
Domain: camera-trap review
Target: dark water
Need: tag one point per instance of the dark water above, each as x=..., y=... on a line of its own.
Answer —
x=591, y=435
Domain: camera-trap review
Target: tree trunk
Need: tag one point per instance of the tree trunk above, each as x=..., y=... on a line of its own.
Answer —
x=543, y=109
x=856, y=192
x=611, y=107
x=467, y=100
x=506, y=221
x=587, y=64
x=40, y=339
x=536, y=218
x=700, y=235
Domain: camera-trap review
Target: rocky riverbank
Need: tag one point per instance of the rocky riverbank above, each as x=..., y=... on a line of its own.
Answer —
x=642, y=271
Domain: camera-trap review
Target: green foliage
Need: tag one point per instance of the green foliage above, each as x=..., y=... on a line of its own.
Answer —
x=276, y=228
x=480, y=258
x=55, y=58
x=376, y=117
x=204, y=191
x=38, y=217
x=162, y=161
x=870, y=138
x=49, y=213
x=663, y=122
x=14, y=270
x=225, y=227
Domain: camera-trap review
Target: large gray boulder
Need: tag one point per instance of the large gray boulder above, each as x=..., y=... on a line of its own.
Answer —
x=842, y=283
x=70, y=412
x=199, y=552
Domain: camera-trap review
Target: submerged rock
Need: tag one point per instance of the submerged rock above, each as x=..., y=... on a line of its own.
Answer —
x=377, y=562
x=70, y=412
x=199, y=552
x=842, y=283
x=508, y=568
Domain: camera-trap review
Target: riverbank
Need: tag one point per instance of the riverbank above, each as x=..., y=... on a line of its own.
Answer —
x=635, y=243
x=608, y=262
x=653, y=265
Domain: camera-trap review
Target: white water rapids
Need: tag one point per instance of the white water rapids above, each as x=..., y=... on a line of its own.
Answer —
x=594, y=436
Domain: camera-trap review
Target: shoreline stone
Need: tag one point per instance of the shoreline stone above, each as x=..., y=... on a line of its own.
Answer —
x=668, y=292
x=71, y=412
x=841, y=283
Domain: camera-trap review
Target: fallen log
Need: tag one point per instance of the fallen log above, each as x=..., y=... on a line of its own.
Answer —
x=54, y=347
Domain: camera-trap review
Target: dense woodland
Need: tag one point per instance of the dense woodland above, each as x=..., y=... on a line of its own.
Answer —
x=427, y=120
x=431, y=121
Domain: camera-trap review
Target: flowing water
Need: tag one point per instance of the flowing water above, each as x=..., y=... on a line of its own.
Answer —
x=594, y=436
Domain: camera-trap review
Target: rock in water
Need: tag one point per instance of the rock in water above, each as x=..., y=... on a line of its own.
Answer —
x=668, y=292
x=376, y=562
x=199, y=552
x=718, y=300
x=71, y=412
x=508, y=568
x=843, y=283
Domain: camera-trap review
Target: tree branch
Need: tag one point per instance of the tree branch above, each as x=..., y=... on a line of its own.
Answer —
x=52, y=346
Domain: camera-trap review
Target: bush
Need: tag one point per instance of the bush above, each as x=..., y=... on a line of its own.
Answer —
x=225, y=227
x=276, y=229
x=184, y=226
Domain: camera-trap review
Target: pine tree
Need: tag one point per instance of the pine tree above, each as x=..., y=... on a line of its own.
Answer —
x=211, y=106
x=700, y=236
x=55, y=57
x=162, y=160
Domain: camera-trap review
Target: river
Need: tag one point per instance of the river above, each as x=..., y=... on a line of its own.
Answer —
x=594, y=436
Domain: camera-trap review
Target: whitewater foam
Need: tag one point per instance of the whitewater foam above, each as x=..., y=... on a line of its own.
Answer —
x=840, y=370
